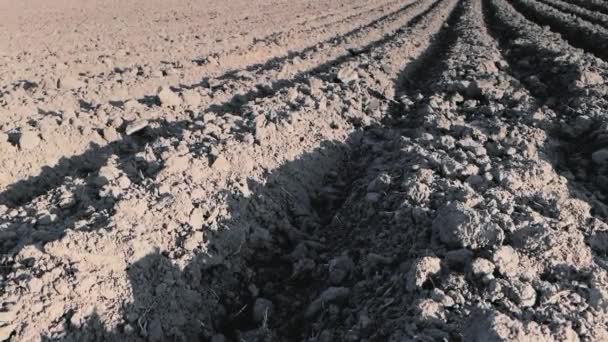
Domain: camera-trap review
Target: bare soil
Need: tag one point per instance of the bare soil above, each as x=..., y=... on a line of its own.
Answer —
x=270, y=170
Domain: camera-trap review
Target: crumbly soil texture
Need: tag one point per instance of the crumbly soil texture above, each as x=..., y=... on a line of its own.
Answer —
x=279, y=170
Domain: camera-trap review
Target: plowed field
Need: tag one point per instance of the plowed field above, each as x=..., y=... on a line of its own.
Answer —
x=274, y=170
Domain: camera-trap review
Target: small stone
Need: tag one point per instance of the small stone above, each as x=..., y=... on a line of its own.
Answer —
x=110, y=134
x=132, y=105
x=129, y=329
x=168, y=98
x=590, y=78
x=380, y=184
x=70, y=82
x=507, y=261
x=330, y=295
x=136, y=126
x=124, y=182
x=262, y=310
x=7, y=316
x=47, y=219
x=218, y=338
x=326, y=336
x=197, y=218
x=481, y=267
x=192, y=99
x=29, y=140
x=292, y=94
x=429, y=310
x=522, y=294
x=421, y=271
x=600, y=157
x=155, y=331
x=339, y=269
x=599, y=242
x=373, y=105
x=347, y=75
x=6, y=332
x=221, y=163
x=459, y=258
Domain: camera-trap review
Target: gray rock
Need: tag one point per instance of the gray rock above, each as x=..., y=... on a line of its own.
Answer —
x=330, y=295
x=522, y=294
x=380, y=183
x=155, y=331
x=339, y=269
x=262, y=310
x=218, y=338
x=600, y=156
x=599, y=242
x=459, y=258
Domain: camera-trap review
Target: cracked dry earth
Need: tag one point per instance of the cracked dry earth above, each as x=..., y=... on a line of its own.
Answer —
x=273, y=170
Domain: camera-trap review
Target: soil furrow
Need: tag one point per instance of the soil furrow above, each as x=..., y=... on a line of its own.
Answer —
x=280, y=72
x=191, y=70
x=579, y=33
x=286, y=146
x=585, y=14
x=593, y=5
x=414, y=170
x=577, y=94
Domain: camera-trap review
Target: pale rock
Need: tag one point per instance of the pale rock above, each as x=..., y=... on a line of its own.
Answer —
x=110, y=134
x=70, y=83
x=29, y=140
x=136, y=126
x=421, y=271
x=506, y=260
x=192, y=99
x=590, y=78
x=221, y=164
x=522, y=294
x=481, y=267
x=347, y=75
x=6, y=332
x=168, y=98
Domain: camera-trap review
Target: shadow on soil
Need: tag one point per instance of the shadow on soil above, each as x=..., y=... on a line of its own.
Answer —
x=249, y=257
x=211, y=294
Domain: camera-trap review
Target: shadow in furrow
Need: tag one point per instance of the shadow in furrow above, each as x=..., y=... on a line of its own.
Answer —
x=579, y=33
x=530, y=63
x=207, y=297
